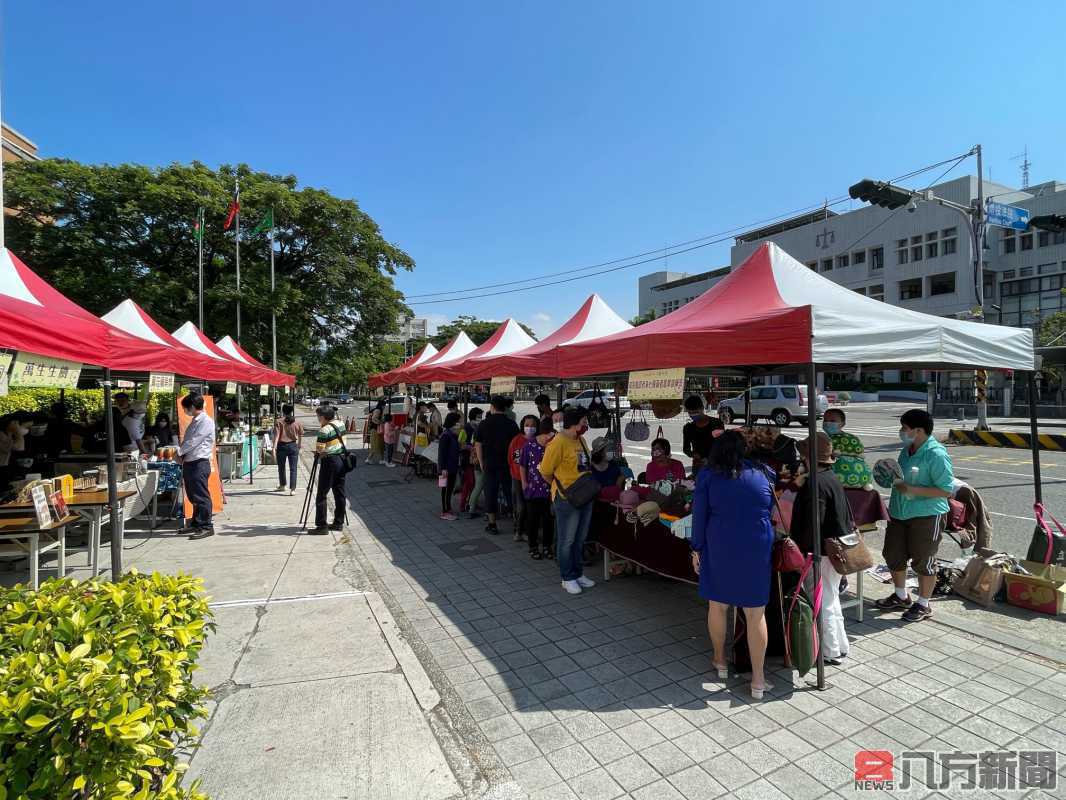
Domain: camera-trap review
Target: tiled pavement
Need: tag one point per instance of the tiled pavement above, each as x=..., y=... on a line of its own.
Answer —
x=607, y=694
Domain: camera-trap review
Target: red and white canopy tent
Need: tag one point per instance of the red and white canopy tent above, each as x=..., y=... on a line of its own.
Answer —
x=387, y=378
x=773, y=312
x=593, y=320
x=193, y=338
x=508, y=338
x=458, y=348
x=229, y=346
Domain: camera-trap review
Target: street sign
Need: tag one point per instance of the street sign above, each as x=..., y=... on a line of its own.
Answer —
x=1005, y=216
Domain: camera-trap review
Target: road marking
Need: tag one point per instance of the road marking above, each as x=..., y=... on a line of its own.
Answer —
x=262, y=601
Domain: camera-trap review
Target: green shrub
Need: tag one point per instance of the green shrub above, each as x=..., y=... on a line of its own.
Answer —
x=96, y=691
x=82, y=404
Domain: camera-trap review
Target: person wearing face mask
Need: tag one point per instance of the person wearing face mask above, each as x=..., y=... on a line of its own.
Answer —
x=527, y=430
x=119, y=411
x=662, y=466
x=448, y=462
x=565, y=458
x=537, y=493
x=698, y=433
x=604, y=467
x=557, y=421
x=916, y=514
x=850, y=465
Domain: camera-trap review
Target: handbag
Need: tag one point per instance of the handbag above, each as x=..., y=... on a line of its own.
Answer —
x=1047, y=547
x=956, y=515
x=849, y=554
x=348, y=459
x=637, y=429
x=599, y=416
x=786, y=555
x=583, y=490
x=802, y=648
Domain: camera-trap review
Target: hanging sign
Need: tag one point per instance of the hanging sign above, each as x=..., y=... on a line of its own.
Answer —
x=124, y=384
x=437, y=387
x=231, y=387
x=503, y=384
x=403, y=388
x=160, y=382
x=657, y=384
x=264, y=389
x=43, y=372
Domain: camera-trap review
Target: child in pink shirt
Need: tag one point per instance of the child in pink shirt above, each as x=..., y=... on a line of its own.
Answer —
x=390, y=434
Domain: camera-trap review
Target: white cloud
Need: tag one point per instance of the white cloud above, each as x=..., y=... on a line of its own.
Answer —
x=541, y=323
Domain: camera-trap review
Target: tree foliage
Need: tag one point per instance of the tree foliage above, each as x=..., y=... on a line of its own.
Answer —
x=101, y=234
x=477, y=329
x=1053, y=329
x=640, y=319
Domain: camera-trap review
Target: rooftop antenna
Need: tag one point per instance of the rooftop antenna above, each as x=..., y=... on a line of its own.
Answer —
x=1024, y=156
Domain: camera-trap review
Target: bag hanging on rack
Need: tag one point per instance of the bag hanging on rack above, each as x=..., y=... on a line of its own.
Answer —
x=599, y=416
x=637, y=429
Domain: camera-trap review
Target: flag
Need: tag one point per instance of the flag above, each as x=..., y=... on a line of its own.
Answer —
x=265, y=224
x=198, y=226
x=234, y=209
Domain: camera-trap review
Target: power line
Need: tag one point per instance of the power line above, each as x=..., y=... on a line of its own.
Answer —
x=657, y=254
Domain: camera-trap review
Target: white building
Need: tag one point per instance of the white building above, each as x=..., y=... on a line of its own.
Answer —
x=409, y=328
x=663, y=292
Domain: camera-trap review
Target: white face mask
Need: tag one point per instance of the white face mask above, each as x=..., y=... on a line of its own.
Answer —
x=530, y=432
x=558, y=427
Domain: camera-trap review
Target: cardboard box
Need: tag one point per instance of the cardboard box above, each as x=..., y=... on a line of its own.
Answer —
x=1043, y=591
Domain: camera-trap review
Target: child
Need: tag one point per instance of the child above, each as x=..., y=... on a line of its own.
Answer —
x=391, y=434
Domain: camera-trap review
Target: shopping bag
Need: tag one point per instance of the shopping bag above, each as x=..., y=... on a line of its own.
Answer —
x=849, y=554
x=1044, y=590
x=1047, y=547
x=802, y=648
x=981, y=580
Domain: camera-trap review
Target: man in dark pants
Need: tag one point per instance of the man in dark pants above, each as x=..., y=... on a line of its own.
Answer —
x=195, y=451
x=494, y=437
x=329, y=447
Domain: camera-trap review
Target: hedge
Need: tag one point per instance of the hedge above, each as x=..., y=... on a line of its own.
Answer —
x=96, y=691
x=82, y=404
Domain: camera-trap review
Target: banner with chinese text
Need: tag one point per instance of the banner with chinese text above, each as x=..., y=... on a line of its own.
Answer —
x=657, y=384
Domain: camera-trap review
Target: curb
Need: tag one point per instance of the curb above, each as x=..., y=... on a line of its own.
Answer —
x=1020, y=441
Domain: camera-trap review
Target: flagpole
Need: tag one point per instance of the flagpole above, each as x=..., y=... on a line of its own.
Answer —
x=237, y=191
x=200, y=262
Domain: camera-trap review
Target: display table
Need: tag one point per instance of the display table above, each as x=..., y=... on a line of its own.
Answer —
x=24, y=535
x=651, y=547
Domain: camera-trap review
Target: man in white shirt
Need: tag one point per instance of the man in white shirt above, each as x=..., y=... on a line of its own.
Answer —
x=195, y=451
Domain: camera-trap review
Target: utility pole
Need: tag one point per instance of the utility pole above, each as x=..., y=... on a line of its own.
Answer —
x=979, y=273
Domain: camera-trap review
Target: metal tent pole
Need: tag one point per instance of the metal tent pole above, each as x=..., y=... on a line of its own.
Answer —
x=1038, y=492
x=559, y=394
x=816, y=523
x=112, y=480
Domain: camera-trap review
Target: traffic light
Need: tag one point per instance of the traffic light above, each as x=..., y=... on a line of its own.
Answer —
x=1056, y=223
x=880, y=193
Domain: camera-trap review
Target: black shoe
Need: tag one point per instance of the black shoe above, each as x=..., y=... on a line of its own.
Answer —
x=893, y=602
x=319, y=530
x=337, y=526
x=917, y=612
x=492, y=529
x=201, y=533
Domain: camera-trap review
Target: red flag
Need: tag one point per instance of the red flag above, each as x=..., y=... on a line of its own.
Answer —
x=234, y=209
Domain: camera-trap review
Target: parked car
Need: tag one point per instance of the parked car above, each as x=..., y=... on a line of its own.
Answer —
x=396, y=405
x=584, y=400
x=479, y=398
x=781, y=404
x=344, y=399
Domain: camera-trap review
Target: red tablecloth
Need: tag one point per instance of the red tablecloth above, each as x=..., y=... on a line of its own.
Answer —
x=867, y=506
x=653, y=546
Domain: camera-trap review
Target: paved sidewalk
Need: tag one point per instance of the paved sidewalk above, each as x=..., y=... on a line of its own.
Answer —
x=607, y=694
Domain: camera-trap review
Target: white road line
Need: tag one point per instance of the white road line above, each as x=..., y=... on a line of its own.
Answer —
x=262, y=601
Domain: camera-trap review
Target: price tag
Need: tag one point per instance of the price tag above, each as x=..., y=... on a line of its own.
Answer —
x=40, y=371
x=505, y=384
x=160, y=382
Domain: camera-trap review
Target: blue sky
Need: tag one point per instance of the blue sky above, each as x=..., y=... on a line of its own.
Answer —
x=499, y=141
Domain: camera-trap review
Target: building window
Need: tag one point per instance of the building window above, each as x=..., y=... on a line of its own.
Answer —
x=1059, y=237
x=916, y=253
x=910, y=289
x=930, y=250
x=1045, y=269
x=877, y=292
x=1025, y=272
x=1008, y=274
x=812, y=265
x=916, y=239
x=931, y=237
x=942, y=284
x=858, y=257
x=843, y=261
x=948, y=246
x=860, y=289
x=949, y=233
x=877, y=258
x=902, y=255
x=1043, y=239
x=1027, y=241
x=827, y=264
x=1009, y=242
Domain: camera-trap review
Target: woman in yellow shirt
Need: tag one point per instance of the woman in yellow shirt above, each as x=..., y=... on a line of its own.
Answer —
x=565, y=458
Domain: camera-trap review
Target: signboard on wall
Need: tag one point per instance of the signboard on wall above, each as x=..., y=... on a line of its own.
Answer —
x=160, y=382
x=43, y=372
x=657, y=384
x=503, y=384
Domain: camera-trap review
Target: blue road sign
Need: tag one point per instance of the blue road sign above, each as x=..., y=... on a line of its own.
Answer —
x=1007, y=216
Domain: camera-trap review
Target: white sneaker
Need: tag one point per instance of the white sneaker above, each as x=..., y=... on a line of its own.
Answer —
x=585, y=583
x=572, y=587
x=390, y=465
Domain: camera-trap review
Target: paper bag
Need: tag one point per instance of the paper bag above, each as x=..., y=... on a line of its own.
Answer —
x=981, y=580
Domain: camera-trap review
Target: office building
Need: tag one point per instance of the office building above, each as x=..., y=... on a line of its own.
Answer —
x=409, y=328
x=663, y=292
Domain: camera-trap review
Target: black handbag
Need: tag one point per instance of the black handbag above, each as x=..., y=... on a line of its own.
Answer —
x=583, y=490
x=348, y=459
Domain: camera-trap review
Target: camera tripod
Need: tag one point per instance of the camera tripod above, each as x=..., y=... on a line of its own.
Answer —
x=312, y=490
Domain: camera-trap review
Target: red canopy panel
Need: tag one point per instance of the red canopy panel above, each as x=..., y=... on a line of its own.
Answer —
x=193, y=338
x=507, y=338
x=389, y=377
x=230, y=346
x=458, y=348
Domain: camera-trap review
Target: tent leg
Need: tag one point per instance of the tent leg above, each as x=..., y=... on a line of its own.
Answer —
x=112, y=481
x=1038, y=492
x=816, y=527
x=559, y=394
x=465, y=392
x=747, y=405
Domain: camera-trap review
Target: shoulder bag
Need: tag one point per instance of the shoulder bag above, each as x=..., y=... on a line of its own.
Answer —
x=583, y=490
x=637, y=429
x=786, y=555
x=348, y=460
x=848, y=554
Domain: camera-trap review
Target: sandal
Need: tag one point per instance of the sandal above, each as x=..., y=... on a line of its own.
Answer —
x=757, y=691
x=723, y=670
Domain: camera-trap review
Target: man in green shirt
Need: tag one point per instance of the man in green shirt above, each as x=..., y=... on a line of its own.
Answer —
x=916, y=513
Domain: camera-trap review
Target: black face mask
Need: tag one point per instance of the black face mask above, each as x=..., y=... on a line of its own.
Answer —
x=599, y=458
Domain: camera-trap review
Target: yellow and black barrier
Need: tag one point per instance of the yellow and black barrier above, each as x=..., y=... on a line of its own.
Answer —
x=1048, y=441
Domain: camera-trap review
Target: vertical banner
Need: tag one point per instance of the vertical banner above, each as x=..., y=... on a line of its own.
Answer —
x=214, y=481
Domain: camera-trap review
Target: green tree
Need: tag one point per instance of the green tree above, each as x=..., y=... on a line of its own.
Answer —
x=477, y=329
x=640, y=319
x=102, y=233
x=1053, y=329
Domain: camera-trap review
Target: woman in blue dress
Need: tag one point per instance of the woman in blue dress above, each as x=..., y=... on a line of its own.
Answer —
x=732, y=537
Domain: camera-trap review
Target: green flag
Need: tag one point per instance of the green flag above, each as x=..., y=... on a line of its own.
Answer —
x=265, y=224
x=198, y=226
